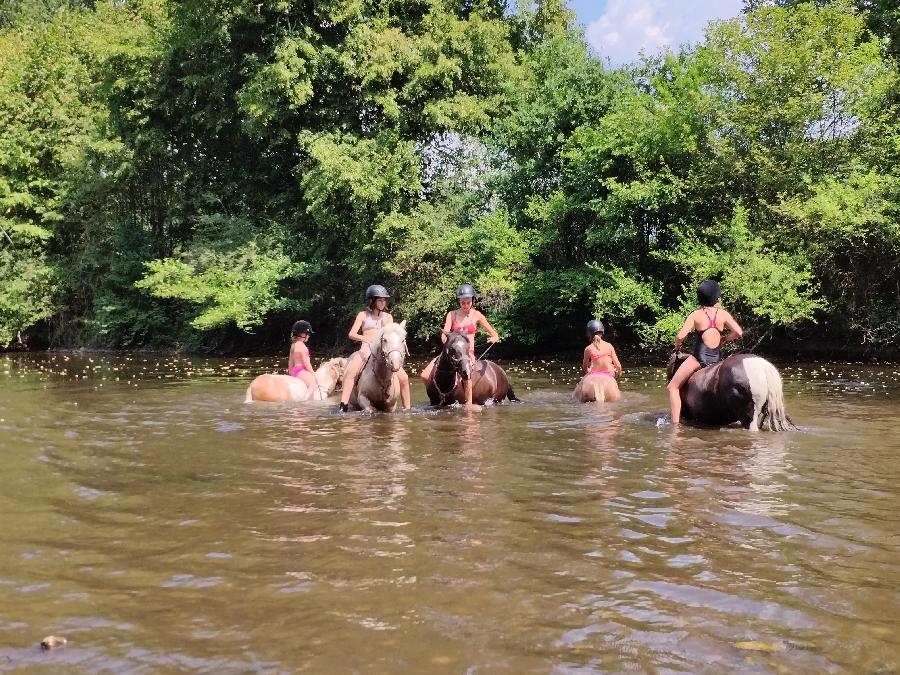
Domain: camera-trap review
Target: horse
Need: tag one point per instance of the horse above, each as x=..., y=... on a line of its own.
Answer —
x=599, y=388
x=454, y=368
x=377, y=386
x=741, y=388
x=275, y=387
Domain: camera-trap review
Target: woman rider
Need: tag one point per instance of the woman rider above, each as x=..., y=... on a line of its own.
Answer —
x=363, y=330
x=464, y=320
x=708, y=321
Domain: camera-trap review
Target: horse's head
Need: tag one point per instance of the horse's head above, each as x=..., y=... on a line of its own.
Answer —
x=330, y=374
x=389, y=345
x=675, y=360
x=456, y=349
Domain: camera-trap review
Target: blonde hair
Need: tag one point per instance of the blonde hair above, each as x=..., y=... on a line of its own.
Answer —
x=597, y=339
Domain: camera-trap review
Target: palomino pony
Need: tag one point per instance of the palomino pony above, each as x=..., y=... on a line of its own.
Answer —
x=454, y=367
x=742, y=388
x=273, y=387
x=377, y=386
x=594, y=387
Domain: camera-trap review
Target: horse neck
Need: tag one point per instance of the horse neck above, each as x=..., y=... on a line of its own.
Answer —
x=325, y=378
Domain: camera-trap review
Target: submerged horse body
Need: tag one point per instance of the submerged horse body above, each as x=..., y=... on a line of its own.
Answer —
x=596, y=388
x=741, y=388
x=276, y=387
x=377, y=386
x=454, y=368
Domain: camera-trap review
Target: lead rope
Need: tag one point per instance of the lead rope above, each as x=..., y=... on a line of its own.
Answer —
x=486, y=351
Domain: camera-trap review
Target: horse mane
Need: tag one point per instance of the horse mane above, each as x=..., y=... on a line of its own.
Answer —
x=675, y=360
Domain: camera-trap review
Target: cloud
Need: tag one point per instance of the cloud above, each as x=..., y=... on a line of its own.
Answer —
x=628, y=27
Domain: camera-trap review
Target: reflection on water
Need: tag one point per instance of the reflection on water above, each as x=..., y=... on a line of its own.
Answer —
x=159, y=523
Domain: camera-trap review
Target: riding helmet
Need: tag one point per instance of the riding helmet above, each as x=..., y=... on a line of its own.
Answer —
x=595, y=326
x=300, y=327
x=377, y=291
x=708, y=293
x=465, y=291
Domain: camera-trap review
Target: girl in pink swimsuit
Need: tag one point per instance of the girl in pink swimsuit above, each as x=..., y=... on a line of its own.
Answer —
x=299, y=364
x=600, y=356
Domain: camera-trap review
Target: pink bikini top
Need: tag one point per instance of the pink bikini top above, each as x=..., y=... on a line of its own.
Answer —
x=457, y=328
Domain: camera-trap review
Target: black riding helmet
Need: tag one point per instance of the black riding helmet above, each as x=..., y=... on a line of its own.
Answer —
x=708, y=293
x=465, y=291
x=300, y=327
x=377, y=291
x=595, y=326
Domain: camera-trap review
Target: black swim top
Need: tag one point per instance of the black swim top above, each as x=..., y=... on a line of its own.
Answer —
x=704, y=354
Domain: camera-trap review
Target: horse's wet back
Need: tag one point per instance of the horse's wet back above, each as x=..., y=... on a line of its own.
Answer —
x=158, y=523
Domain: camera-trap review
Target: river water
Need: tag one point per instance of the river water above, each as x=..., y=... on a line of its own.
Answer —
x=160, y=524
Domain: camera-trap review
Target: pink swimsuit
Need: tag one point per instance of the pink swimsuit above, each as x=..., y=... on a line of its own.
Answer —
x=299, y=368
x=594, y=371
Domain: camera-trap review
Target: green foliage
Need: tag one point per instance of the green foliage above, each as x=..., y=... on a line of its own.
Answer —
x=774, y=287
x=239, y=287
x=171, y=171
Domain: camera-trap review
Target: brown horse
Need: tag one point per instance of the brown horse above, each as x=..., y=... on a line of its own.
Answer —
x=274, y=387
x=454, y=367
x=377, y=386
x=741, y=388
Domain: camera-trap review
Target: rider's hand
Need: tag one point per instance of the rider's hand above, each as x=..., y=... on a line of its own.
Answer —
x=493, y=339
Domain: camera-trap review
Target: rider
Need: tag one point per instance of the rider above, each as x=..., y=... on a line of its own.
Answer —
x=364, y=327
x=600, y=358
x=299, y=364
x=708, y=321
x=464, y=320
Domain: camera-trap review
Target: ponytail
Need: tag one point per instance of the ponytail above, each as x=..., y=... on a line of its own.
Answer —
x=596, y=340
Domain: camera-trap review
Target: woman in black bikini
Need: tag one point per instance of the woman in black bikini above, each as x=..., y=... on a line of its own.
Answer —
x=708, y=321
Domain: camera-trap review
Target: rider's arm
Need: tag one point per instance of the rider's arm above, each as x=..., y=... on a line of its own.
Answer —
x=586, y=361
x=354, y=333
x=292, y=357
x=448, y=323
x=615, y=360
x=494, y=337
x=734, y=329
x=684, y=332
x=303, y=357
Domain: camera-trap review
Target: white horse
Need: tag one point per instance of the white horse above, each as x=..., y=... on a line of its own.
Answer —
x=274, y=387
x=377, y=386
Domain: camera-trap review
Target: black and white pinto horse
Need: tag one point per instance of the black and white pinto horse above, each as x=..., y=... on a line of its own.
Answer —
x=741, y=388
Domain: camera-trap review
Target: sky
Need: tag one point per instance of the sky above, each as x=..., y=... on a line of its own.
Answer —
x=620, y=29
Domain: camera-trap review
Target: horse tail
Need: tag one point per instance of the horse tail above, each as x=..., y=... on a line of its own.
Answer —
x=249, y=397
x=599, y=392
x=768, y=401
x=511, y=395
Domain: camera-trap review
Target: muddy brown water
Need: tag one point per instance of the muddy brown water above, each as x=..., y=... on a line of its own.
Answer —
x=160, y=524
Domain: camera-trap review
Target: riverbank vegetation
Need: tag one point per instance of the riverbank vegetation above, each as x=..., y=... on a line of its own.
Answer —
x=198, y=174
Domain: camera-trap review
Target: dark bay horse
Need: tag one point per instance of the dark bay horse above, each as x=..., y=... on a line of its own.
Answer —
x=741, y=388
x=454, y=368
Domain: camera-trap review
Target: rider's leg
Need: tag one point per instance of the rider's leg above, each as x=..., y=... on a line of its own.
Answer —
x=426, y=371
x=353, y=367
x=312, y=386
x=685, y=370
x=404, y=389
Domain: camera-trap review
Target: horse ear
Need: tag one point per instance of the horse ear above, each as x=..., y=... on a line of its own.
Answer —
x=403, y=324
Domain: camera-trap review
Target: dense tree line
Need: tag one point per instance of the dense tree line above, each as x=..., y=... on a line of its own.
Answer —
x=180, y=173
